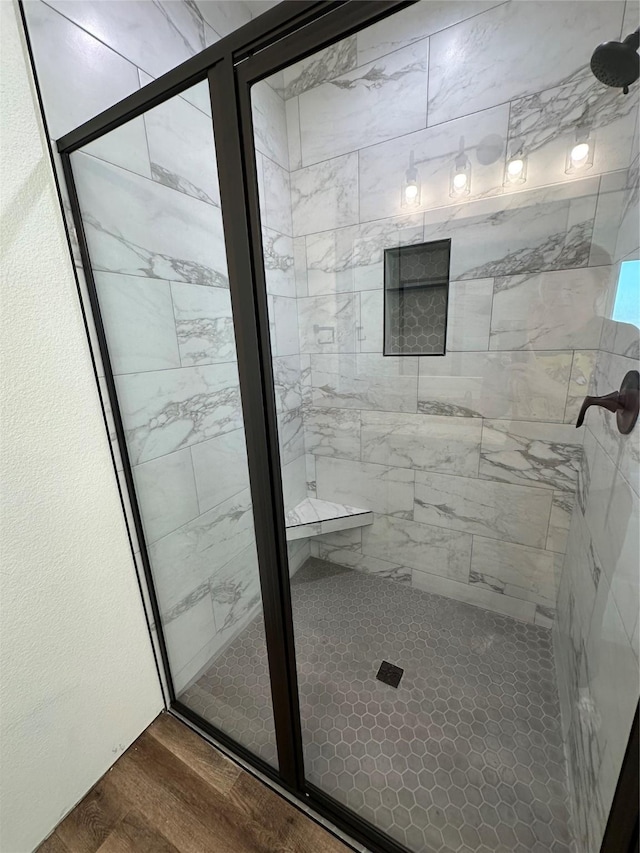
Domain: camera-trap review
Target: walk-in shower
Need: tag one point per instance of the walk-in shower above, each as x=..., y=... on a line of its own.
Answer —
x=354, y=270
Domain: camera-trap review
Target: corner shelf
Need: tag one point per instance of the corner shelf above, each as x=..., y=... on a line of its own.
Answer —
x=311, y=517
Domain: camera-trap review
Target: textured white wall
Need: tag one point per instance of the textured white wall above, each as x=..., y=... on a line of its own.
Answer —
x=78, y=676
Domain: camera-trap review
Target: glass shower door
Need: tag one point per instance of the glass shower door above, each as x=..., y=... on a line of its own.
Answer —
x=441, y=289
x=150, y=204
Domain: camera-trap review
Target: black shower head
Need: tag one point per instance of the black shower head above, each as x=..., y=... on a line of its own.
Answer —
x=616, y=63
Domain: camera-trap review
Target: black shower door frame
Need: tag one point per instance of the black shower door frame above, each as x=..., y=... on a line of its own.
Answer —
x=285, y=34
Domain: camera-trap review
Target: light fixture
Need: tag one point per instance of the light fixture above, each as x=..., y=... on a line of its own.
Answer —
x=515, y=171
x=460, y=176
x=580, y=150
x=411, y=186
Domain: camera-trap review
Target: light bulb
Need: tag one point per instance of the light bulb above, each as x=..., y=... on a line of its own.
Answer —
x=411, y=192
x=460, y=180
x=515, y=167
x=579, y=153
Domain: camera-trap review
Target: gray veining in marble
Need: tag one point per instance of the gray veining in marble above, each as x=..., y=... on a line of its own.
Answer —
x=482, y=507
x=364, y=381
x=168, y=409
x=319, y=67
x=220, y=468
x=325, y=195
x=509, y=385
x=139, y=322
x=380, y=488
x=365, y=105
x=549, y=310
x=141, y=227
x=422, y=442
x=204, y=324
x=514, y=570
x=536, y=454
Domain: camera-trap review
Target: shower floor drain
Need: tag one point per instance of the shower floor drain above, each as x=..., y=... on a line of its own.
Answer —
x=389, y=673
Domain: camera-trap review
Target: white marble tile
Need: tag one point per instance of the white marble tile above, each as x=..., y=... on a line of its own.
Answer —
x=155, y=36
x=521, y=233
x=332, y=432
x=496, y=510
x=465, y=77
x=606, y=225
x=533, y=454
x=518, y=385
x=612, y=514
x=544, y=125
x=428, y=549
x=612, y=673
x=469, y=315
x=624, y=450
x=235, y=592
x=139, y=322
x=290, y=435
x=224, y=16
x=300, y=266
x=220, y=468
x=269, y=123
x=327, y=324
x=549, y=310
x=298, y=552
x=366, y=105
x=188, y=557
x=276, y=197
x=514, y=570
x=413, y=24
x=80, y=77
x=331, y=549
x=140, y=227
x=628, y=241
x=379, y=488
x=370, y=331
x=364, y=381
x=294, y=482
x=310, y=469
x=166, y=410
x=292, y=110
x=351, y=259
x=475, y=595
x=187, y=633
x=204, y=324
x=325, y=195
x=285, y=319
x=319, y=67
x=181, y=147
x=166, y=492
x=562, y=505
x=277, y=250
x=422, y=442
x=383, y=166
x=582, y=370
x=286, y=380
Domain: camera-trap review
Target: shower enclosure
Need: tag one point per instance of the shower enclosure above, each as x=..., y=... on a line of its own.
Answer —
x=353, y=270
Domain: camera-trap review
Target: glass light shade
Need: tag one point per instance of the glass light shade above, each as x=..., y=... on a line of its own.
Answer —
x=580, y=155
x=411, y=191
x=515, y=170
x=460, y=179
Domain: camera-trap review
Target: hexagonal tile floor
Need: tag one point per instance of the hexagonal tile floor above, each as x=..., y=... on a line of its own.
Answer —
x=465, y=756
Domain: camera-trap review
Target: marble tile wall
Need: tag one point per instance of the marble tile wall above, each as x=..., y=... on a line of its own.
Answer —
x=596, y=630
x=469, y=461
x=151, y=206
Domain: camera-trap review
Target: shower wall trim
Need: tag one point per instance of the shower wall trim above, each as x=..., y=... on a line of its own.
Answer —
x=287, y=33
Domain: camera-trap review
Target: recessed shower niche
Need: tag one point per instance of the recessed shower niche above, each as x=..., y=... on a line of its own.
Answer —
x=416, y=295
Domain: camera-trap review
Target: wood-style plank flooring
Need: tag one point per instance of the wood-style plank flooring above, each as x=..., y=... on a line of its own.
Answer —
x=172, y=792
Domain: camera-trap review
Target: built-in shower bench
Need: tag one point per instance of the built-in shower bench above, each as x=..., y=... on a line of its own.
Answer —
x=311, y=517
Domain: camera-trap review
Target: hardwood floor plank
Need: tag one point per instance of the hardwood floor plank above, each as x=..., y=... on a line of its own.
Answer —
x=291, y=829
x=212, y=766
x=87, y=826
x=134, y=835
x=172, y=792
x=213, y=810
x=53, y=844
